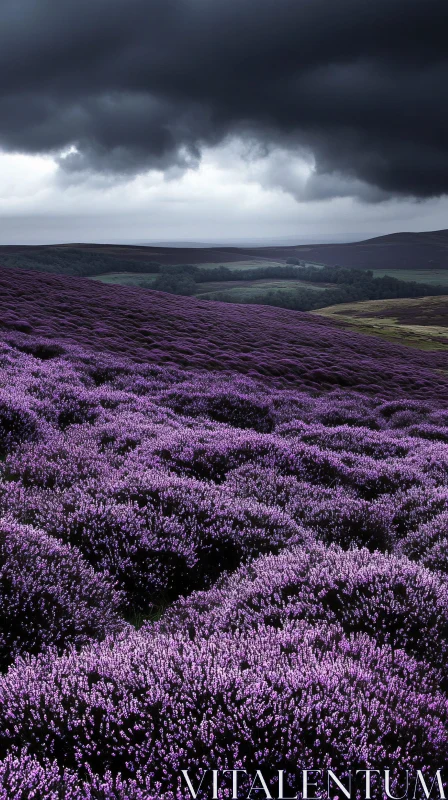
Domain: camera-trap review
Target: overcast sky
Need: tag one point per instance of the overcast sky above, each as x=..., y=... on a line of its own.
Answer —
x=222, y=119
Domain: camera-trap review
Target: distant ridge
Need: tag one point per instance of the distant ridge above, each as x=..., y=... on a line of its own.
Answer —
x=402, y=250
x=431, y=236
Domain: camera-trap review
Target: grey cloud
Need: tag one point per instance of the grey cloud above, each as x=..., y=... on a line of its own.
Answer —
x=138, y=84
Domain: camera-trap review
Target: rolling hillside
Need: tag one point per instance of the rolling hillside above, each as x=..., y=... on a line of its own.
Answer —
x=416, y=322
x=398, y=251
x=401, y=251
x=209, y=512
x=285, y=348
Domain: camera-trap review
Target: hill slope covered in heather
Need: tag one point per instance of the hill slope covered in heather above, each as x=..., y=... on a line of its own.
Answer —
x=223, y=540
x=285, y=348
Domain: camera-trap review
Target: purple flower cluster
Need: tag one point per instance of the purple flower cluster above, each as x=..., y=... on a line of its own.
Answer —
x=428, y=544
x=24, y=777
x=159, y=535
x=49, y=595
x=18, y=423
x=150, y=704
x=264, y=496
x=398, y=603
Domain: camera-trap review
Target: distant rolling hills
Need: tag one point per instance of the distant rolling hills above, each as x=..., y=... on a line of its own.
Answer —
x=426, y=251
x=302, y=277
x=397, y=251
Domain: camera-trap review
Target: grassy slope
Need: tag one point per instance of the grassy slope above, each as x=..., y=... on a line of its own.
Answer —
x=421, y=323
x=432, y=276
x=240, y=290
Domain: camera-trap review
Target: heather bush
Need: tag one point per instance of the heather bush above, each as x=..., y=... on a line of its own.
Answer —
x=74, y=407
x=18, y=423
x=429, y=544
x=23, y=777
x=237, y=410
x=416, y=506
x=49, y=596
x=343, y=409
x=396, y=602
x=40, y=348
x=333, y=514
x=429, y=431
x=209, y=454
x=119, y=435
x=57, y=463
x=293, y=696
x=343, y=438
x=161, y=535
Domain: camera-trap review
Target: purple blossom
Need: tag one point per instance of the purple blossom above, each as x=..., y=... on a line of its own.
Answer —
x=49, y=596
x=152, y=704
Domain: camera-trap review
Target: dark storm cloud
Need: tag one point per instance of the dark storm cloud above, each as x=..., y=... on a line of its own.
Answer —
x=359, y=84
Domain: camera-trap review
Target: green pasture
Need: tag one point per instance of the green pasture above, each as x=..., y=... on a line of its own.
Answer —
x=127, y=279
x=432, y=276
x=239, y=290
x=243, y=290
x=366, y=317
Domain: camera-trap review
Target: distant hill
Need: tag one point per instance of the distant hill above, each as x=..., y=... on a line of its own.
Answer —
x=410, y=251
x=398, y=251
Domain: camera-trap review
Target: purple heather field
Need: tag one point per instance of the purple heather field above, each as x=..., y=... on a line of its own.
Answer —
x=223, y=543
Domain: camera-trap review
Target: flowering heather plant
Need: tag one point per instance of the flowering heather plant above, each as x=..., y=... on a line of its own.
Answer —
x=18, y=422
x=23, y=777
x=396, y=602
x=49, y=596
x=276, y=481
x=294, y=696
x=429, y=543
x=234, y=408
x=333, y=514
x=159, y=534
x=57, y=463
x=340, y=438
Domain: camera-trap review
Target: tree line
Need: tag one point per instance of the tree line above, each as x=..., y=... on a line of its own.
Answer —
x=75, y=262
x=345, y=285
x=339, y=284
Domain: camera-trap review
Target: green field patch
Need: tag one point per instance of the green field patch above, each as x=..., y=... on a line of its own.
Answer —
x=127, y=279
x=437, y=277
x=421, y=323
x=257, y=287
